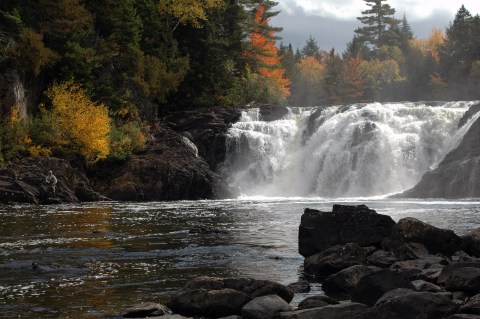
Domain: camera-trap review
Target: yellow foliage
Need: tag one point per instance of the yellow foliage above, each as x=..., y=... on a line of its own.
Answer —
x=84, y=125
x=431, y=45
x=190, y=11
x=312, y=70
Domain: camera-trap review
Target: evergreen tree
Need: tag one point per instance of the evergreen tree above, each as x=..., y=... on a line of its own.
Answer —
x=406, y=33
x=311, y=48
x=379, y=24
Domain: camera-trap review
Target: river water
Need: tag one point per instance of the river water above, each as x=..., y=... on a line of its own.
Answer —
x=94, y=260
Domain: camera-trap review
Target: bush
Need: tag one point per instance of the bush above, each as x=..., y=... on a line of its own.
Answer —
x=125, y=140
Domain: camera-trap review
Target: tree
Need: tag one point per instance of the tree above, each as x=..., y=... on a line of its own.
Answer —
x=379, y=24
x=307, y=83
x=353, y=87
x=311, y=48
x=189, y=12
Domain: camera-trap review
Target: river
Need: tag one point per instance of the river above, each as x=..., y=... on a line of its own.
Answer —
x=94, y=260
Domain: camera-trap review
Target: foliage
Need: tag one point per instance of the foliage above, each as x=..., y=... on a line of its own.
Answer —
x=125, y=140
x=83, y=126
x=189, y=12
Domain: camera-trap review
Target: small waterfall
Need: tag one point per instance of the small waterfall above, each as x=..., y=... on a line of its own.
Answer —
x=359, y=150
x=190, y=144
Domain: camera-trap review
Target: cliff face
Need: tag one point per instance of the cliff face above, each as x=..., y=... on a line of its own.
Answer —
x=458, y=175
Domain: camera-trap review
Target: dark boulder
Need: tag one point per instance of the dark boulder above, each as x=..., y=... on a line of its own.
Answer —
x=405, y=303
x=448, y=270
x=427, y=268
x=464, y=279
x=316, y=301
x=270, y=113
x=381, y=258
x=373, y=286
x=149, y=309
x=345, y=224
x=472, y=306
x=334, y=259
x=339, y=311
x=265, y=307
x=411, y=230
x=463, y=316
x=422, y=285
x=347, y=279
x=301, y=286
x=472, y=243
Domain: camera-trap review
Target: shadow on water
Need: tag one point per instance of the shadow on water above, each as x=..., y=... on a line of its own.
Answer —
x=94, y=260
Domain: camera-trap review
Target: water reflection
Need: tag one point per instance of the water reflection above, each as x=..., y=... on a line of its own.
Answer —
x=92, y=261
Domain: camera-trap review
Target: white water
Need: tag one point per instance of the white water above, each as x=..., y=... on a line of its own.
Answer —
x=360, y=150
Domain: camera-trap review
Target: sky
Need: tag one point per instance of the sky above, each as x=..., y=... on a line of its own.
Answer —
x=332, y=22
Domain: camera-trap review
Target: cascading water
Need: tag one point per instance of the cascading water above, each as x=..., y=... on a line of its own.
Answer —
x=358, y=150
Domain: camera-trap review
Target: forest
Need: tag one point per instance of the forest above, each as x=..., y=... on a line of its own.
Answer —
x=99, y=73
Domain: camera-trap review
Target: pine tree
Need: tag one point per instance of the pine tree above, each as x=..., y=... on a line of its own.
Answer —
x=311, y=48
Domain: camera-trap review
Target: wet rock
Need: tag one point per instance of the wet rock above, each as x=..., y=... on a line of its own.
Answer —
x=464, y=279
x=428, y=268
x=345, y=224
x=347, y=279
x=371, y=287
x=472, y=306
x=463, y=316
x=270, y=113
x=143, y=310
x=381, y=258
x=448, y=270
x=339, y=311
x=407, y=251
x=232, y=317
x=316, y=301
x=217, y=297
x=301, y=286
x=265, y=307
x=411, y=230
x=405, y=303
x=472, y=243
x=422, y=285
x=334, y=259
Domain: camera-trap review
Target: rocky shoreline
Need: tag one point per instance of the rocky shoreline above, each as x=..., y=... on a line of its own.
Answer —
x=370, y=267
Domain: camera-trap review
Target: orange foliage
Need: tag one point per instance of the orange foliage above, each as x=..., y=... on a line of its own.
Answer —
x=431, y=45
x=266, y=54
x=354, y=81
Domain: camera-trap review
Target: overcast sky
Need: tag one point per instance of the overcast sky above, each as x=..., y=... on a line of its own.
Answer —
x=332, y=22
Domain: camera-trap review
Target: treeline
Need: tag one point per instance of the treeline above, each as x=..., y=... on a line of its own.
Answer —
x=97, y=73
x=124, y=62
x=385, y=62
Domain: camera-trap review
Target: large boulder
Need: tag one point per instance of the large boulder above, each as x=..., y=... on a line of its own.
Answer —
x=373, y=286
x=405, y=303
x=265, y=307
x=472, y=306
x=270, y=112
x=464, y=279
x=334, y=259
x=347, y=279
x=316, y=301
x=411, y=230
x=217, y=297
x=345, y=224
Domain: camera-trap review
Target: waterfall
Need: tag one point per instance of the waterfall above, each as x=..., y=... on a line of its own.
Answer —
x=358, y=150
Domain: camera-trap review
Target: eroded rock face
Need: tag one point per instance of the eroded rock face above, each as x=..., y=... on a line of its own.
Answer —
x=345, y=224
x=24, y=181
x=458, y=175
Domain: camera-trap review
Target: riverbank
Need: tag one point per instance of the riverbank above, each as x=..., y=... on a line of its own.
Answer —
x=380, y=268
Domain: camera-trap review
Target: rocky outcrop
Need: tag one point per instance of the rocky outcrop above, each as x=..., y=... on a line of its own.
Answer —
x=270, y=113
x=345, y=224
x=458, y=175
x=168, y=169
x=23, y=181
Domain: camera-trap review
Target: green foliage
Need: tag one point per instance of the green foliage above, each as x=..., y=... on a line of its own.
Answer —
x=125, y=140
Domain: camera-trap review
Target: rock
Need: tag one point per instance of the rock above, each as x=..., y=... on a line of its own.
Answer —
x=207, y=230
x=464, y=279
x=24, y=181
x=429, y=267
x=407, y=251
x=316, y=301
x=347, y=279
x=371, y=287
x=265, y=307
x=270, y=113
x=422, y=285
x=217, y=297
x=143, y=310
x=232, y=317
x=335, y=259
x=411, y=230
x=301, y=286
x=381, y=258
x=214, y=303
x=405, y=303
x=472, y=243
x=339, y=311
x=463, y=316
x=455, y=176
x=345, y=224
x=472, y=306
x=448, y=270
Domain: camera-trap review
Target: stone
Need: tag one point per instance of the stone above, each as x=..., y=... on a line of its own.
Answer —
x=265, y=307
x=472, y=243
x=472, y=306
x=463, y=316
x=381, y=258
x=422, y=285
x=339, y=311
x=316, y=301
x=373, y=286
x=464, y=279
x=345, y=224
x=301, y=286
x=149, y=309
x=270, y=113
x=335, y=259
x=405, y=303
x=449, y=269
x=347, y=279
x=256, y=288
x=411, y=230
x=427, y=268
x=408, y=251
